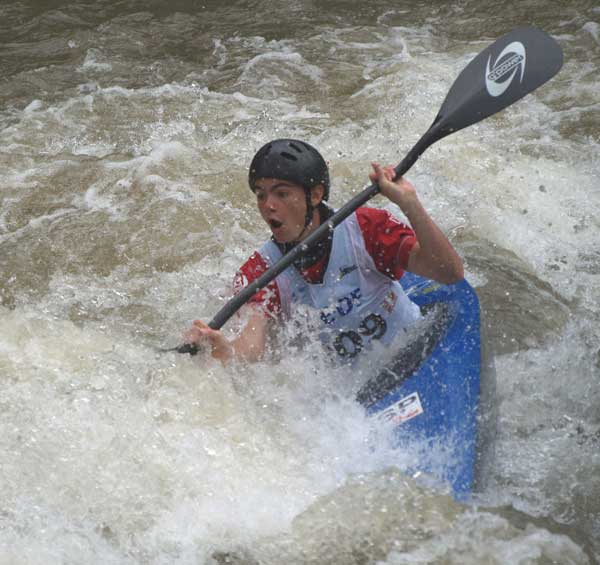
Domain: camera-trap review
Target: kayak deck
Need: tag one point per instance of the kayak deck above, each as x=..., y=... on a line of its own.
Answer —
x=430, y=393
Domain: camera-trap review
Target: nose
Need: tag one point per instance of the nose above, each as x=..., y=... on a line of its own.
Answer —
x=269, y=201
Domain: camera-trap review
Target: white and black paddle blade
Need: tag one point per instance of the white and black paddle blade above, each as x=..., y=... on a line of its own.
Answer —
x=513, y=66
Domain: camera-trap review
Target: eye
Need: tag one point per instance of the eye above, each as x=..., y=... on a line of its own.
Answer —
x=260, y=195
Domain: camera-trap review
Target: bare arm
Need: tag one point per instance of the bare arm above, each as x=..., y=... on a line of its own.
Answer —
x=248, y=346
x=433, y=255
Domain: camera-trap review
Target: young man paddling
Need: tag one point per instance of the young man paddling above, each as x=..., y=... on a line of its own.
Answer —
x=351, y=276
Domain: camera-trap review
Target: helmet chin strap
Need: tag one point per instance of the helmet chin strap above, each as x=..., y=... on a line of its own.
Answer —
x=310, y=209
x=308, y=218
x=318, y=250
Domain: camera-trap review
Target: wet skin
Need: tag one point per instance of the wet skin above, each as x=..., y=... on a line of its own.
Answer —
x=282, y=205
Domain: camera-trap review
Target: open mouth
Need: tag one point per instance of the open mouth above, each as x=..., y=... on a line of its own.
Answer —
x=275, y=224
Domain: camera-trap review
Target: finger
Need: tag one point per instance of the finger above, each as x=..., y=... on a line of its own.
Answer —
x=195, y=334
x=386, y=173
x=389, y=172
x=191, y=336
x=202, y=332
x=377, y=174
x=374, y=171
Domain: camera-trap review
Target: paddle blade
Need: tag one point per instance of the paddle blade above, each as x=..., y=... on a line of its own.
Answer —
x=513, y=66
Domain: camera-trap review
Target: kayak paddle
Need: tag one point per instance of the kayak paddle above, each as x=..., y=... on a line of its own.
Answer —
x=511, y=67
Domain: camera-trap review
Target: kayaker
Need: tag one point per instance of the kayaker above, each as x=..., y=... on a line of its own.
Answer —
x=350, y=276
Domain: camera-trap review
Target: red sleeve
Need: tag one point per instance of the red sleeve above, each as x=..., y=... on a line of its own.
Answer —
x=388, y=241
x=267, y=298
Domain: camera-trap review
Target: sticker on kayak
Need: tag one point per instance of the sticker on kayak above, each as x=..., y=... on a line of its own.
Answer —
x=405, y=409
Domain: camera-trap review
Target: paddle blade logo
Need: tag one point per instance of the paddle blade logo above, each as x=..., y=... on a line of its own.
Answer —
x=501, y=74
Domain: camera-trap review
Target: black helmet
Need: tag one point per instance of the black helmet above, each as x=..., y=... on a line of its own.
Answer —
x=292, y=160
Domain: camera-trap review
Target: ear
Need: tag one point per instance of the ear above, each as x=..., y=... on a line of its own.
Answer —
x=316, y=194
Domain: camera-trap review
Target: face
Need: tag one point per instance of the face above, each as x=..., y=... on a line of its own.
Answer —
x=282, y=204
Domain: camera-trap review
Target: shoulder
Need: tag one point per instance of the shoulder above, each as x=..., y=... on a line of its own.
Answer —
x=387, y=240
x=253, y=268
x=375, y=221
x=365, y=213
x=268, y=298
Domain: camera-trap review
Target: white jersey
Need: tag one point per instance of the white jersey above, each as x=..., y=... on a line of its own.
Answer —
x=357, y=303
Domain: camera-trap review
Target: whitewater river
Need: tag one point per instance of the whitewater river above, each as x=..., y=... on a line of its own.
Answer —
x=126, y=130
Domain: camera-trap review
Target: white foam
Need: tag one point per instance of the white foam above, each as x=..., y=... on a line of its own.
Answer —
x=33, y=106
x=268, y=72
x=92, y=62
x=593, y=28
x=504, y=543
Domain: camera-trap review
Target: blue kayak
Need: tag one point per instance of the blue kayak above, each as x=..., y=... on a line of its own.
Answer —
x=430, y=393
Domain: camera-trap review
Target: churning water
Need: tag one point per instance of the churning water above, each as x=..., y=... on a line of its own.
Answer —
x=126, y=130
